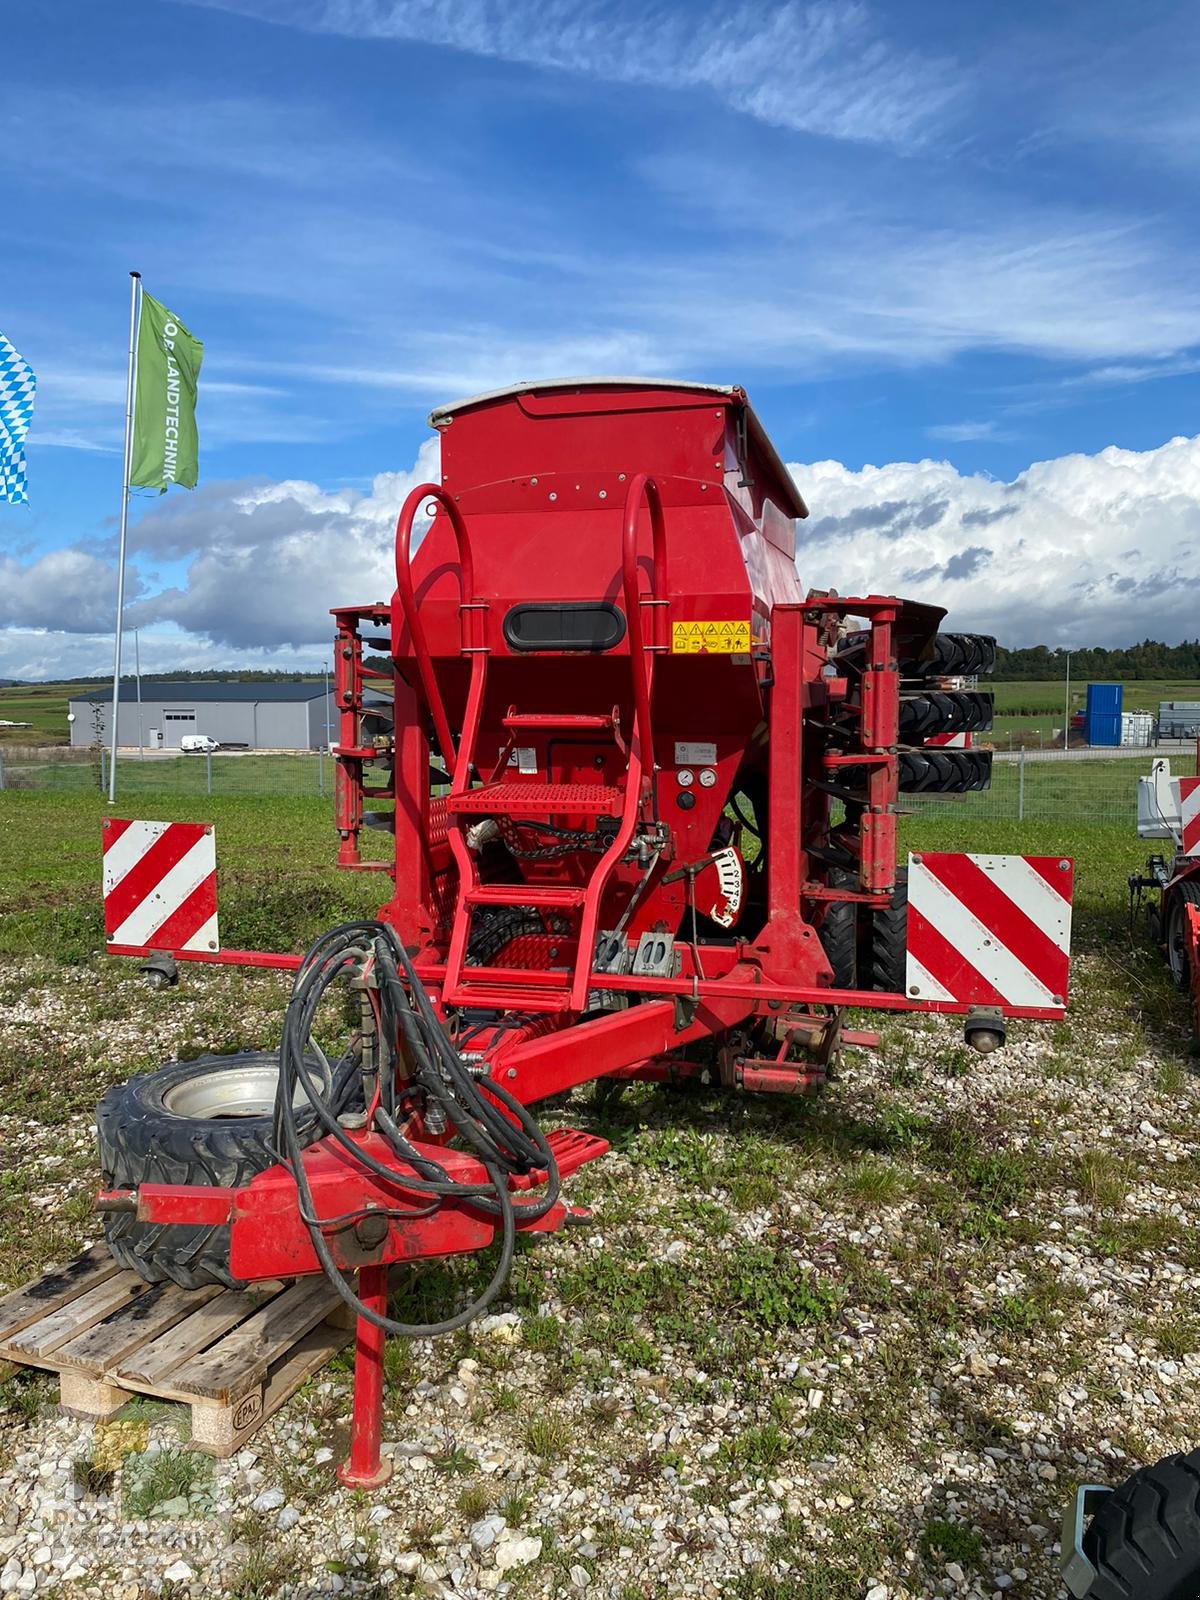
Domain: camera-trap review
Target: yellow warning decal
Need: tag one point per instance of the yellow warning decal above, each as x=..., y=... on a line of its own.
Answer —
x=722, y=638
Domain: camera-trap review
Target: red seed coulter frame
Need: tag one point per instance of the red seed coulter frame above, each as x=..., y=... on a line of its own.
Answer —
x=654, y=524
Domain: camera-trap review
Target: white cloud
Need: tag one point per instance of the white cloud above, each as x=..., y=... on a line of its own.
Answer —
x=72, y=439
x=820, y=68
x=965, y=432
x=265, y=562
x=70, y=590
x=912, y=279
x=1077, y=550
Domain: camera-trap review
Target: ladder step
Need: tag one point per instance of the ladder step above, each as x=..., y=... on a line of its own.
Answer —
x=538, y=721
x=538, y=800
x=556, y=980
x=503, y=995
x=538, y=896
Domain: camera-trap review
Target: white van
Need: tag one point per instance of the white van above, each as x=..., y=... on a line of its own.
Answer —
x=197, y=744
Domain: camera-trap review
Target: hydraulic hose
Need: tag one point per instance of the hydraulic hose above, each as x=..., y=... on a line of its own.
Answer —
x=494, y=1126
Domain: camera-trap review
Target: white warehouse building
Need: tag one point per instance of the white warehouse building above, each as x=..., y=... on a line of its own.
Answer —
x=249, y=716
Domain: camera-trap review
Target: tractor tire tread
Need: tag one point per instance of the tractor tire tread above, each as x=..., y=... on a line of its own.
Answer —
x=838, y=932
x=948, y=655
x=935, y=711
x=141, y=1142
x=1144, y=1539
x=889, y=940
x=940, y=771
x=1183, y=894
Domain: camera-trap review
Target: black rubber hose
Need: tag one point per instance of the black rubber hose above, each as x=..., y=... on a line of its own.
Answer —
x=476, y=1108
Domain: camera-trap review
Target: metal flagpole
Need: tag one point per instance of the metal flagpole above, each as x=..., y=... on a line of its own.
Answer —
x=329, y=736
x=137, y=668
x=134, y=286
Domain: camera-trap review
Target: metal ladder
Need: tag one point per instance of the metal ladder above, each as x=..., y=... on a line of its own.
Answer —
x=528, y=800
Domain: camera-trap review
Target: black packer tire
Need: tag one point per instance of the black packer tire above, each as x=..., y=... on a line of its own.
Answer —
x=838, y=932
x=142, y=1140
x=942, y=771
x=944, y=711
x=889, y=939
x=953, y=655
x=1176, y=930
x=1144, y=1539
x=948, y=655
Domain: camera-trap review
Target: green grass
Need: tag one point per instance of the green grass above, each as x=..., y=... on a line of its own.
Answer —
x=278, y=883
x=973, y=1176
x=952, y=1541
x=174, y=775
x=153, y=1480
x=1091, y=791
x=43, y=705
x=1028, y=711
x=1045, y=697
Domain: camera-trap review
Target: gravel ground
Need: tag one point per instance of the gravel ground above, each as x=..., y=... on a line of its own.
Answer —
x=855, y=1348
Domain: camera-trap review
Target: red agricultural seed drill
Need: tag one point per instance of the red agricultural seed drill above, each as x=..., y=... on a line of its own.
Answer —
x=663, y=846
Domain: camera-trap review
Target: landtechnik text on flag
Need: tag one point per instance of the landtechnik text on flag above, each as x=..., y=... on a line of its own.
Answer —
x=165, y=445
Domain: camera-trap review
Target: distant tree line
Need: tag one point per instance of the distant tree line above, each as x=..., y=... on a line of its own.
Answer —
x=1150, y=660
x=210, y=675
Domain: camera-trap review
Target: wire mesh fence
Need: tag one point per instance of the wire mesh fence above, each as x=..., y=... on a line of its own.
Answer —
x=1056, y=785
x=1096, y=785
x=214, y=772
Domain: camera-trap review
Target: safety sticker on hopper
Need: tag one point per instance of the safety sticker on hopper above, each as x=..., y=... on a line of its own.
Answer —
x=724, y=637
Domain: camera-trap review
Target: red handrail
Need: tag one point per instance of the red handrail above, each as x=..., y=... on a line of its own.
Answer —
x=408, y=602
x=642, y=487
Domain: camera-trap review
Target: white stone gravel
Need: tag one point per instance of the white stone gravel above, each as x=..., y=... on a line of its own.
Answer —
x=980, y=1419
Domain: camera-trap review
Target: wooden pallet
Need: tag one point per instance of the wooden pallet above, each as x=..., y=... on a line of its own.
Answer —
x=233, y=1355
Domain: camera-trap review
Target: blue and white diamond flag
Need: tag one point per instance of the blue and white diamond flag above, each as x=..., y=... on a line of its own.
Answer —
x=17, y=389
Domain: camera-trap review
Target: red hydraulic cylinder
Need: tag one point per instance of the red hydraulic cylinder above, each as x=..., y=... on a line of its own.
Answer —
x=365, y=1468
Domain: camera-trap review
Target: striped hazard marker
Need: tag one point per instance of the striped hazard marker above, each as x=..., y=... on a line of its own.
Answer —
x=160, y=885
x=989, y=930
x=1189, y=814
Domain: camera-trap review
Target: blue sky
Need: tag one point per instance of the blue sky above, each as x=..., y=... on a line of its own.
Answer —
x=941, y=245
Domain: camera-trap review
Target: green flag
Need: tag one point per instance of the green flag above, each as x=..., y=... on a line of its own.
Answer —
x=165, y=448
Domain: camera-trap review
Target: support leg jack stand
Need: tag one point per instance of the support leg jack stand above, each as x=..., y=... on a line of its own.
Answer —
x=365, y=1469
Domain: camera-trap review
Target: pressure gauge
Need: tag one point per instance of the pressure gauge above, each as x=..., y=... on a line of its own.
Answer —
x=685, y=777
x=707, y=778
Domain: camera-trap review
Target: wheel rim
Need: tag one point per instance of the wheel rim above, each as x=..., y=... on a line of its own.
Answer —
x=230, y=1092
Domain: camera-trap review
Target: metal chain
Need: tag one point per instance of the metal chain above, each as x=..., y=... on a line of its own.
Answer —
x=566, y=842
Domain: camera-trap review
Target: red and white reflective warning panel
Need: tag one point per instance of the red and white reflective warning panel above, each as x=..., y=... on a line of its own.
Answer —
x=950, y=741
x=1189, y=814
x=160, y=885
x=990, y=930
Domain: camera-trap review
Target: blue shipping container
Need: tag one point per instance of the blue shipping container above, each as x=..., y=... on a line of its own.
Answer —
x=1102, y=719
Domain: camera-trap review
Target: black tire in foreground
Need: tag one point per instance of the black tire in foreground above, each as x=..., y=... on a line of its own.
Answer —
x=206, y=1121
x=889, y=940
x=1144, y=1541
x=877, y=959
x=1183, y=895
x=838, y=933
x=948, y=655
x=944, y=711
x=941, y=771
